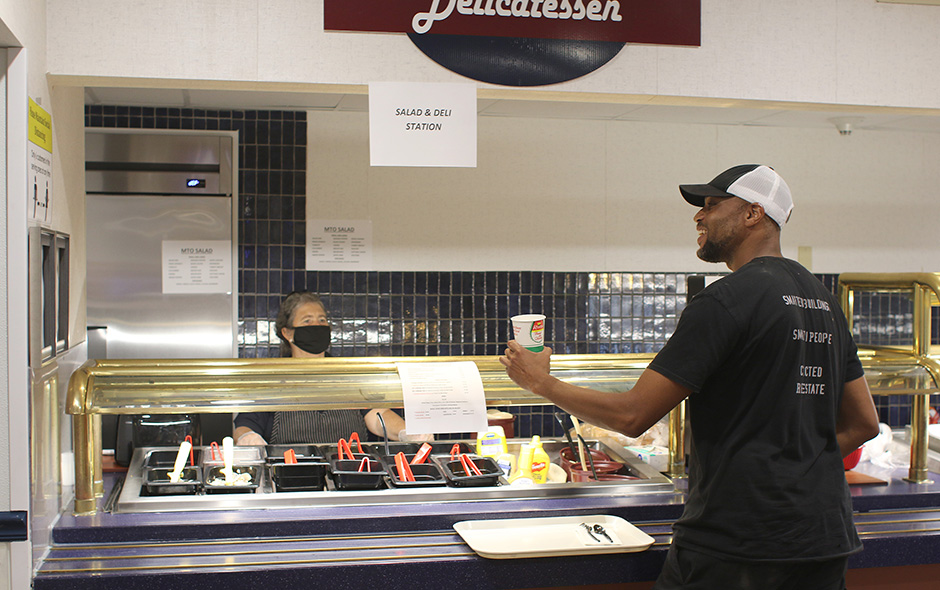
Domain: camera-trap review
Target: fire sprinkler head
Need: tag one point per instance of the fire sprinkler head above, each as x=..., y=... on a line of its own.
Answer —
x=846, y=124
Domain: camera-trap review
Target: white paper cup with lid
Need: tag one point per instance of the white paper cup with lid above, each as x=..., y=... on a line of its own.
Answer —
x=529, y=331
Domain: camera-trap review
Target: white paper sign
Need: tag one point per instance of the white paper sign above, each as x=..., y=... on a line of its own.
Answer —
x=443, y=397
x=339, y=244
x=197, y=266
x=40, y=163
x=423, y=124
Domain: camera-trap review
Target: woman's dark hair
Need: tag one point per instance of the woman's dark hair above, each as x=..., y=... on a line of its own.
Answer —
x=286, y=312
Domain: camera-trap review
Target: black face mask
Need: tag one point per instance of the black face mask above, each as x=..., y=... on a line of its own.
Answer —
x=312, y=339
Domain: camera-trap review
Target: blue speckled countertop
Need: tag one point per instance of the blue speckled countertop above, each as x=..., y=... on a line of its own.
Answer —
x=414, y=545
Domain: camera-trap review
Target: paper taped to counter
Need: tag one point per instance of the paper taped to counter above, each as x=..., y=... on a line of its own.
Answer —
x=443, y=397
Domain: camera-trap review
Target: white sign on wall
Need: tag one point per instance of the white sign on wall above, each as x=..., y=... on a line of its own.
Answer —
x=423, y=124
x=339, y=245
x=197, y=266
x=40, y=163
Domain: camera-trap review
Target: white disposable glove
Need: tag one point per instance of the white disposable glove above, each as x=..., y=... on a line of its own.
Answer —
x=250, y=438
x=404, y=436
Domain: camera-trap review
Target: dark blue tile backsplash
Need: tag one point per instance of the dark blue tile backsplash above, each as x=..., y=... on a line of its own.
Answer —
x=442, y=312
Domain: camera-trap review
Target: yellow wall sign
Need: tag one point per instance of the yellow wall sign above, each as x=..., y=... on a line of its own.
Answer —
x=40, y=126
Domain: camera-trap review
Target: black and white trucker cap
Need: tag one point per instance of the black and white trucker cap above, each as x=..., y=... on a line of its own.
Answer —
x=753, y=183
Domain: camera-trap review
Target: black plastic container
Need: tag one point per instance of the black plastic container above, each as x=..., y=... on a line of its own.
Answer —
x=457, y=476
x=331, y=452
x=167, y=458
x=426, y=475
x=378, y=448
x=303, y=453
x=443, y=448
x=299, y=477
x=215, y=473
x=152, y=430
x=346, y=474
x=333, y=457
x=157, y=482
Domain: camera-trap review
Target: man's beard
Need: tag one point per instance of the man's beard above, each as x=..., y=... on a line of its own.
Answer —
x=712, y=251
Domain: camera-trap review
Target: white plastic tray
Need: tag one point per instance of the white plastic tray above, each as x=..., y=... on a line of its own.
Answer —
x=550, y=536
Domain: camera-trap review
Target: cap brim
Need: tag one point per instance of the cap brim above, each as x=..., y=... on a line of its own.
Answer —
x=695, y=194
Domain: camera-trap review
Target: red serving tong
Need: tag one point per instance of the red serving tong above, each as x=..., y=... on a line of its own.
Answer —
x=290, y=457
x=344, y=448
x=455, y=450
x=422, y=454
x=404, y=471
x=364, y=465
x=213, y=449
x=355, y=437
x=469, y=466
x=192, y=459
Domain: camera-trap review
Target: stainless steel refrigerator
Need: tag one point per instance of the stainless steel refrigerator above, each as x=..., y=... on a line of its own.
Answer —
x=161, y=248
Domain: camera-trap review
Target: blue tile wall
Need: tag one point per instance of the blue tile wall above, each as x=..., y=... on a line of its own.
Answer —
x=887, y=319
x=440, y=313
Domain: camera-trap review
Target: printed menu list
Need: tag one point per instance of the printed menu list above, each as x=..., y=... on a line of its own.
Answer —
x=203, y=266
x=339, y=245
x=443, y=397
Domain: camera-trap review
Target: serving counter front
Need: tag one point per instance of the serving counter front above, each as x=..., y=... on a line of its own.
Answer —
x=117, y=536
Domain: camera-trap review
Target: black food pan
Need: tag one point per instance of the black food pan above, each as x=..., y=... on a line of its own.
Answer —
x=214, y=480
x=456, y=475
x=303, y=453
x=157, y=481
x=346, y=474
x=299, y=477
x=167, y=458
x=425, y=474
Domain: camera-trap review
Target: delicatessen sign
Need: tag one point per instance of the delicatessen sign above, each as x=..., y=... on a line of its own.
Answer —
x=665, y=22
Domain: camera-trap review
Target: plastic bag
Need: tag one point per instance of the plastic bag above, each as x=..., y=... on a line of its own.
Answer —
x=878, y=449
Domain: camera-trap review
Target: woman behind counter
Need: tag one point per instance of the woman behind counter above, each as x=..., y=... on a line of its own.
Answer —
x=303, y=327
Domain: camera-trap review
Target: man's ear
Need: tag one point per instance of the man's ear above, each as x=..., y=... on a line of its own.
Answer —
x=755, y=214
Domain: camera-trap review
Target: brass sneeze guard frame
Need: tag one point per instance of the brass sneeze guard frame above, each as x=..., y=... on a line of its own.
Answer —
x=903, y=370
x=180, y=386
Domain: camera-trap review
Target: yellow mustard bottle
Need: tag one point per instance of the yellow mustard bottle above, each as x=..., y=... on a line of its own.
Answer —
x=523, y=472
x=540, y=461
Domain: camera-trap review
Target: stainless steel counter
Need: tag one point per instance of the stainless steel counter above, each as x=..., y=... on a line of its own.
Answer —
x=132, y=497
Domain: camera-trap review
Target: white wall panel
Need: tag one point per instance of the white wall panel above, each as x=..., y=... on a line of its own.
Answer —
x=294, y=48
x=888, y=54
x=209, y=40
x=593, y=195
x=760, y=50
x=531, y=176
x=843, y=51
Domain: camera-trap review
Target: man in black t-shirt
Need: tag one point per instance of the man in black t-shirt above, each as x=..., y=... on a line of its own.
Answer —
x=777, y=398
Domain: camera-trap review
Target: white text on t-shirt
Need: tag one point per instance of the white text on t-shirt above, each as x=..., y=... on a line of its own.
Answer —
x=807, y=336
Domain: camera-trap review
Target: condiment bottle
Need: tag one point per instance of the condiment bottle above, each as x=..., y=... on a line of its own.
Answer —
x=523, y=472
x=492, y=443
x=540, y=461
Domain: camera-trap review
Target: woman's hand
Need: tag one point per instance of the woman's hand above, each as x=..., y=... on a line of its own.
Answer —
x=250, y=438
x=529, y=370
x=404, y=436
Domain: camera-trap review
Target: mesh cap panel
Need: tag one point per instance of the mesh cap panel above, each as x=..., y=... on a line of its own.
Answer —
x=764, y=186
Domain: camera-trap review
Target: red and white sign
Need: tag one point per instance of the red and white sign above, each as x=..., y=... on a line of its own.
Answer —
x=663, y=22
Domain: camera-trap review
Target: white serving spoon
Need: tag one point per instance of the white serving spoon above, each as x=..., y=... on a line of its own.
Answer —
x=181, y=457
x=228, y=458
x=577, y=430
